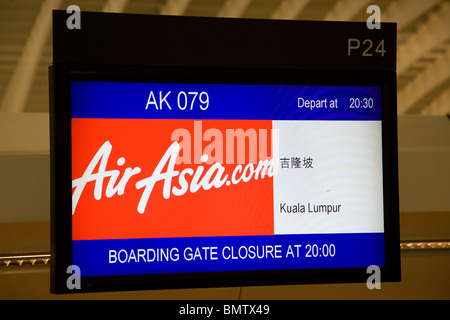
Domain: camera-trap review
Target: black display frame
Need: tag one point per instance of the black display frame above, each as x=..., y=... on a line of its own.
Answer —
x=60, y=145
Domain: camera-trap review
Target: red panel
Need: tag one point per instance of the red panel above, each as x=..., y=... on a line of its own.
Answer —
x=244, y=208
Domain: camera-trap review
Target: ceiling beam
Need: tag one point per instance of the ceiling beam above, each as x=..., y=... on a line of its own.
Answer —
x=19, y=85
x=175, y=7
x=289, y=9
x=116, y=6
x=430, y=35
x=420, y=91
x=403, y=12
x=233, y=8
x=345, y=10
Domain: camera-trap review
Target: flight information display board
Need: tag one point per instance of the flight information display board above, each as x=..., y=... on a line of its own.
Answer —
x=201, y=177
x=204, y=177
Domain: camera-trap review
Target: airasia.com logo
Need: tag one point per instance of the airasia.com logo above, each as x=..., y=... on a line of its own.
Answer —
x=214, y=177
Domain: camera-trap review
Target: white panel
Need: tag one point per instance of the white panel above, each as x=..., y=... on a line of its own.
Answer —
x=346, y=174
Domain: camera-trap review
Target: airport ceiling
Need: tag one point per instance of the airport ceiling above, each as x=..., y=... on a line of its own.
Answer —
x=423, y=62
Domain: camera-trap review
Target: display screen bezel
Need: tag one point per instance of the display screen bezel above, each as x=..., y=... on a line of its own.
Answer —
x=61, y=77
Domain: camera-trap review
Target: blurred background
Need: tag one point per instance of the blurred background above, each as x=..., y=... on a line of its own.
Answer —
x=423, y=40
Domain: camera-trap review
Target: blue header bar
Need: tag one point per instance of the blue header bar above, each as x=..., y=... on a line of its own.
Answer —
x=223, y=101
